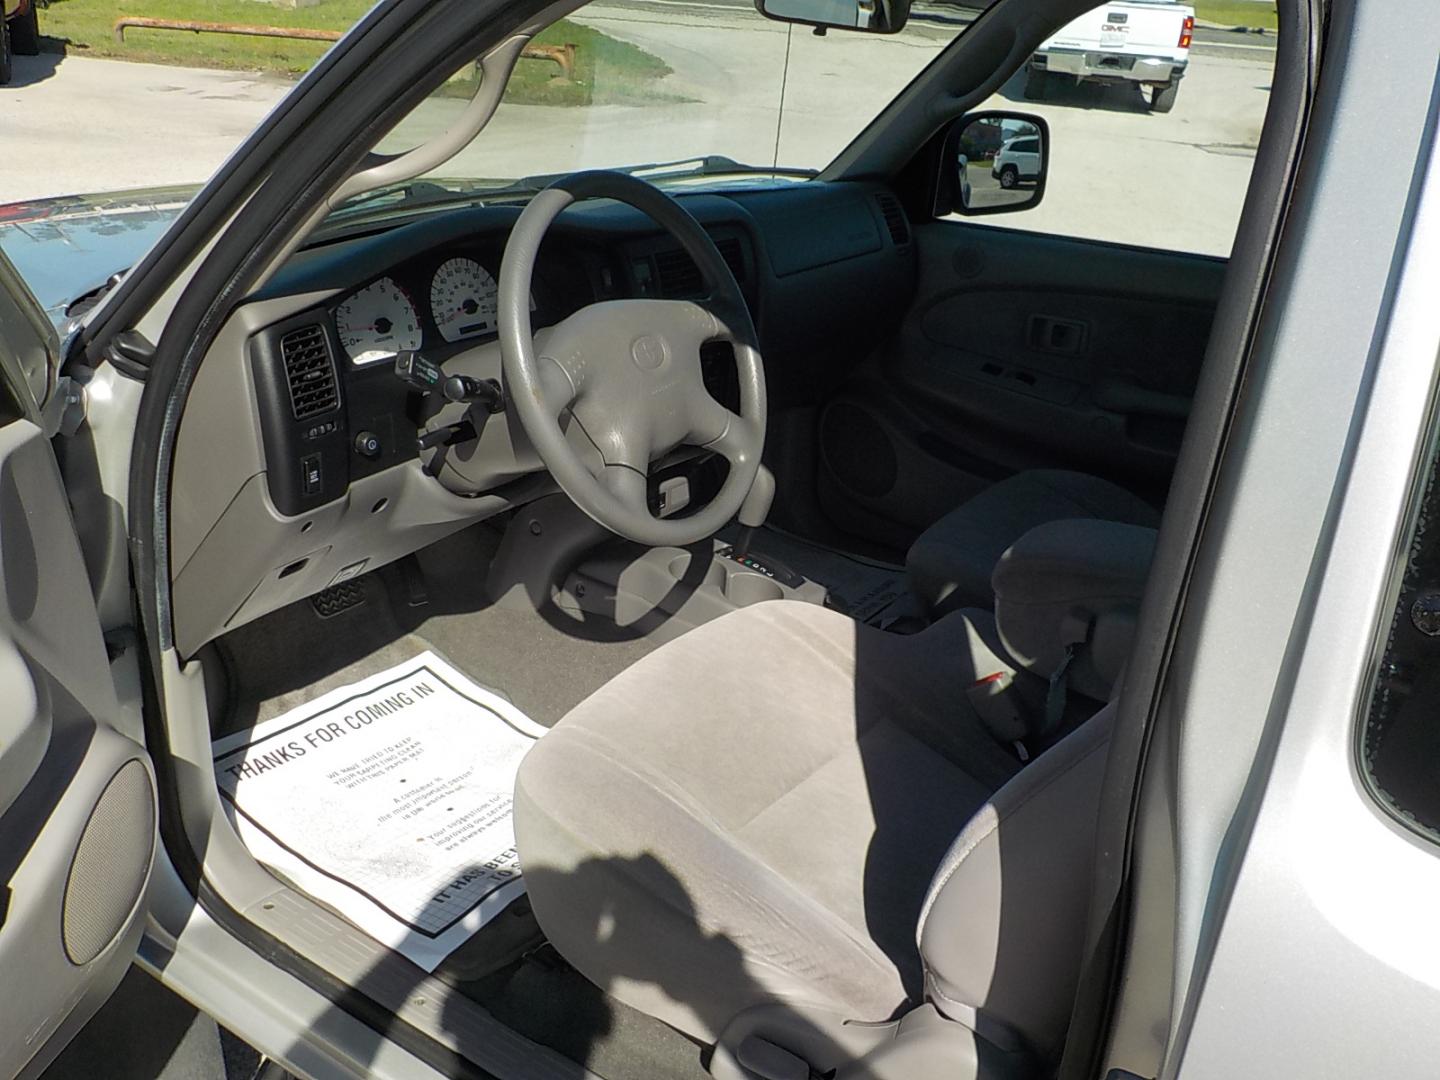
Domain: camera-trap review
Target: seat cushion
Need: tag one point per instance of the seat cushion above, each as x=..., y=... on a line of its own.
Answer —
x=950, y=563
x=753, y=814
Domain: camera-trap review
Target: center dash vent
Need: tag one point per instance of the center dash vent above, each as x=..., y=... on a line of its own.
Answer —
x=309, y=371
x=895, y=219
x=733, y=255
x=678, y=275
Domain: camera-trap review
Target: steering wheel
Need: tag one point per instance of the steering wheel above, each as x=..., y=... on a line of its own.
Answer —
x=618, y=384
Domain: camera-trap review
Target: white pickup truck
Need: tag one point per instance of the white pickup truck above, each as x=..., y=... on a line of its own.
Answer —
x=1141, y=42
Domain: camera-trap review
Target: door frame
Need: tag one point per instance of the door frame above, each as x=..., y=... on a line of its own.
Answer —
x=1119, y=907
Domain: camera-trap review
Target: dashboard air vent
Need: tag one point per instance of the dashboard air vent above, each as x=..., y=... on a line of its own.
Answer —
x=734, y=257
x=679, y=276
x=309, y=371
x=677, y=273
x=895, y=219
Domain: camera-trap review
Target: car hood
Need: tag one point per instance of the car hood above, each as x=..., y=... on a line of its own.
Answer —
x=68, y=246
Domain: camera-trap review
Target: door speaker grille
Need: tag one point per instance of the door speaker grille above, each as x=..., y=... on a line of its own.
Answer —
x=111, y=863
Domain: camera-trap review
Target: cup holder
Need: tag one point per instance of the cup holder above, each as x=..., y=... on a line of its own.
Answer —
x=745, y=589
x=714, y=575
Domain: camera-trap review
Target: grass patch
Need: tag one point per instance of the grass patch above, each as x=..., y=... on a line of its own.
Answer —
x=606, y=70
x=1237, y=13
x=83, y=28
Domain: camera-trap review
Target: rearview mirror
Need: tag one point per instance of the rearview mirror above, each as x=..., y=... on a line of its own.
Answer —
x=995, y=162
x=871, y=16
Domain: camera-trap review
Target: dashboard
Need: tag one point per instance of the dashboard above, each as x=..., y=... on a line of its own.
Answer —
x=303, y=459
x=333, y=410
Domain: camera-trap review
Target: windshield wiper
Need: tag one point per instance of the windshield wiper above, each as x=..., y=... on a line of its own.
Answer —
x=712, y=165
x=415, y=193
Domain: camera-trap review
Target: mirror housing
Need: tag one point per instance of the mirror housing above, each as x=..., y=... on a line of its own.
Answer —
x=994, y=162
x=867, y=16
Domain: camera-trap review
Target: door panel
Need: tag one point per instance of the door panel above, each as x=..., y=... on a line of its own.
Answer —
x=77, y=797
x=1021, y=350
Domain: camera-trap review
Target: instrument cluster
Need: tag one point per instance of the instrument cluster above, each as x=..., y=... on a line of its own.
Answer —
x=452, y=300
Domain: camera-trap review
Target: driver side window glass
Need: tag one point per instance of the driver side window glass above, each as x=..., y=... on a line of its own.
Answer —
x=1154, y=117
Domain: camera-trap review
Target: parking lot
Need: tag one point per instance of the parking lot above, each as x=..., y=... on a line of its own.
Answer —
x=1117, y=171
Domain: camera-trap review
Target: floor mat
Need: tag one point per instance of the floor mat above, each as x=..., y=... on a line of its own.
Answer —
x=390, y=800
x=545, y=664
x=864, y=589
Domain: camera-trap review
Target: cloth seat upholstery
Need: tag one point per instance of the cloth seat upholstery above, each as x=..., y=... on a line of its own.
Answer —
x=756, y=814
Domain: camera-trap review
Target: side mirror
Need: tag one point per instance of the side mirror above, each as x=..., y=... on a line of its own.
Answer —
x=869, y=16
x=994, y=163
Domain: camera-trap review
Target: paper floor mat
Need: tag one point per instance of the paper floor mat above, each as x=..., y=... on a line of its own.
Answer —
x=390, y=800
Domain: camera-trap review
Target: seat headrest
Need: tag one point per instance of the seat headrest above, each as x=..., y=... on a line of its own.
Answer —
x=1073, y=583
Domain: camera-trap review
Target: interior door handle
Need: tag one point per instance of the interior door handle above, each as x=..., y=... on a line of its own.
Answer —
x=1065, y=337
x=1123, y=396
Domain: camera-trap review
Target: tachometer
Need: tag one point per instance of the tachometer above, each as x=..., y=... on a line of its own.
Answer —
x=463, y=297
x=377, y=322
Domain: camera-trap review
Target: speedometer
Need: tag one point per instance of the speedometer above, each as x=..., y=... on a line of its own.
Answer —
x=377, y=322
x=463, y=299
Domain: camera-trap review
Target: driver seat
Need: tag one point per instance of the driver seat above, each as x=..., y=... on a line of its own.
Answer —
x=785, y=833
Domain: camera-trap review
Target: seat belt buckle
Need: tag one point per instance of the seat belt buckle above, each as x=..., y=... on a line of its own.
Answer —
x=994, y=701
x=1057, y=693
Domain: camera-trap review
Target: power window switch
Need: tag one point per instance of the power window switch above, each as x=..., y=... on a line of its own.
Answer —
x=312, y=475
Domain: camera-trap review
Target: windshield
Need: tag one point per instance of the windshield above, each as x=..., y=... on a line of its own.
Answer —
x=679, y=88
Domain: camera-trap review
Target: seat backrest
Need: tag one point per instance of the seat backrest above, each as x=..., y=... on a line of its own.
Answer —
x=1002, y=930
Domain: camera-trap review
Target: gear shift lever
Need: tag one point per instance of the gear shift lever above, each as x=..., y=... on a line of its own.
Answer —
x=753, y=512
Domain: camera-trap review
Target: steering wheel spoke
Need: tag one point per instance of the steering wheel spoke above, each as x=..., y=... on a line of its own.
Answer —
x=630, y=487
x=557, y=386
x=709, y=420
x=738, y=443
x=730, y=325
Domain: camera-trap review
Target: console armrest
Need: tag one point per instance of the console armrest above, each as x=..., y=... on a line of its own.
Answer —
x=1073, y=586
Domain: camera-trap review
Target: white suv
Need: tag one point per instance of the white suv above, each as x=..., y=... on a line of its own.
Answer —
x=1018, y=159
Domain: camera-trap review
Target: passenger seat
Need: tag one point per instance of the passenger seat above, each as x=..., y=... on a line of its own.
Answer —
x=950, y=563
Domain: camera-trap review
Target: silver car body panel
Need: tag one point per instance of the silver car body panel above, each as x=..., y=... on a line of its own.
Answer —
x=1304, y=916
x=1323, y=954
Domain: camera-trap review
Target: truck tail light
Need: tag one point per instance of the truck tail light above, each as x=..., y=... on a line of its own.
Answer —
x=1187, y=31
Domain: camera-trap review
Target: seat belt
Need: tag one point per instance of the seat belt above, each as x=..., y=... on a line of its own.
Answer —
x=1056, y=694
x=1005, y=716
x=995, y=701
x=1077, y=633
